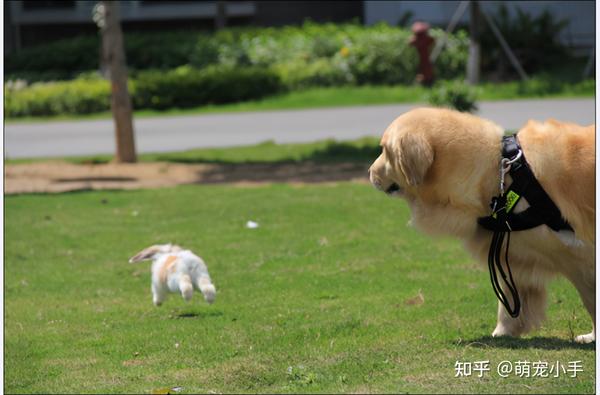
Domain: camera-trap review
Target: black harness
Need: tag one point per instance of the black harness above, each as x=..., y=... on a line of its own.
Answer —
x=503, y=220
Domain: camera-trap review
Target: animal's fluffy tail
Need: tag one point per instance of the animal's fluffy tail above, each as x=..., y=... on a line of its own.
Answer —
x=207, y=288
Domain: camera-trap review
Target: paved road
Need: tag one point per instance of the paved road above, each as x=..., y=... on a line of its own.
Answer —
x=174, y=133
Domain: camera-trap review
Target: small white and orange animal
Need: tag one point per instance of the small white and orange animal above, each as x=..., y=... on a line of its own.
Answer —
x=176, y=270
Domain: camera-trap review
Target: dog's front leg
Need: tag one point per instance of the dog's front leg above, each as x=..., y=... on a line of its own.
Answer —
x=588, y=338
x=586, y=286
x=533, y=307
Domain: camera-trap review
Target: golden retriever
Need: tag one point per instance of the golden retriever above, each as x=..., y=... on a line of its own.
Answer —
x=446, y=165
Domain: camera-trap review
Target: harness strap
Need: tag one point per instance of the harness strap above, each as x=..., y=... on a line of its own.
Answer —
x=503, y=220
x=541, y=210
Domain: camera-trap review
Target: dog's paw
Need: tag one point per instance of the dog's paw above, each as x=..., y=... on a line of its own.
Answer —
x=157, y=303
x=585, y=339
x=503, y=331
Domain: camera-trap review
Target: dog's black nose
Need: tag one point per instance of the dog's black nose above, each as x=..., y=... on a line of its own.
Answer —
x=392, y=188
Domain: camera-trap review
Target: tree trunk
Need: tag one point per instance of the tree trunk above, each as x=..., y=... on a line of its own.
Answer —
x=114, y=56
x=220, y=17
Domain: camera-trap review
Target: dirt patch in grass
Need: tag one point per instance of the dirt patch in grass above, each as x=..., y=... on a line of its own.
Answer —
x=58, y=176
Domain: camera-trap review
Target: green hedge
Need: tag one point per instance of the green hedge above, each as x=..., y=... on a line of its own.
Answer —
x=331, y=54
x=56, y=60
x=80, y=96
x=307, y=55
x=189, y=87
x=182, y=87
x=184, y=69
x=65, y=59
x=454, y=94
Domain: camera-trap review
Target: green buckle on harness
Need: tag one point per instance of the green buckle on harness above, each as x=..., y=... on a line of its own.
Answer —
x=511, y=199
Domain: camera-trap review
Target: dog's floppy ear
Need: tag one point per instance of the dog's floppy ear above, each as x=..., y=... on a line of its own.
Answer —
x=415, y=155
x=145, y=254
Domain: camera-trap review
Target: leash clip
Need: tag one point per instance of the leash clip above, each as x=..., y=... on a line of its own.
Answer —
x=505, y=166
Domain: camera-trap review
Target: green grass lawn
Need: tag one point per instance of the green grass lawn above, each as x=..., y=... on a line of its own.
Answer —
x=323, y=151
x=322, y=297
x=364, y=95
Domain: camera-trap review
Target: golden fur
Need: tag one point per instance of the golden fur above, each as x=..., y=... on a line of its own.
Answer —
x=446, y=166
x=167, y=268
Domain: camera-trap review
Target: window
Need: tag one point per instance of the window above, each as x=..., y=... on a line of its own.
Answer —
x=47, y=5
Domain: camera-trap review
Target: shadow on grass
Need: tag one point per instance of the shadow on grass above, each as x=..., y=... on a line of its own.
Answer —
x=333, y=152
x=196, y=314
x=336, y=161
x=303, y=172
x=544, y=343
x=95, y=178
x=268, y=162
x=339, y=151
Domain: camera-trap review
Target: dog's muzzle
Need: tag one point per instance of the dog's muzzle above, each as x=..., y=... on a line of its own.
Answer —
x=392, y=188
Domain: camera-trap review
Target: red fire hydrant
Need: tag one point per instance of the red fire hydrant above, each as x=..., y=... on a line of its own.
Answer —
x=423, y=42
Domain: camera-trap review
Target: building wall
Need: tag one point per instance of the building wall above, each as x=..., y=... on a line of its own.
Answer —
x=35, y=22
x=278, y=13
x=579, y=33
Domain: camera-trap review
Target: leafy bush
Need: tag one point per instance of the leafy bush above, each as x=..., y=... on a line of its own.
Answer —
x=181, y=87
x=205, y=52
x=383, y=57
x=534, y=40
x=322, y=72
x=57, y=60
x=158, y=50
x=329, y=54
x=80, y=96
x=452, y=61
x=311, y=54
x=185, y=69
x=189, y=87
x=454, y=94
x=66, y=58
